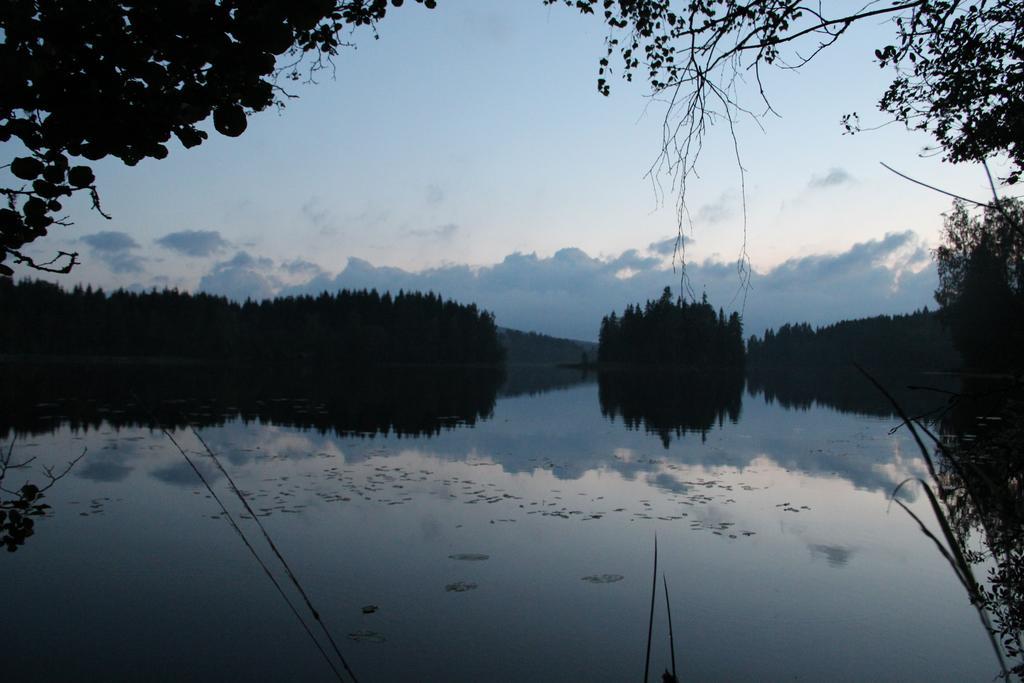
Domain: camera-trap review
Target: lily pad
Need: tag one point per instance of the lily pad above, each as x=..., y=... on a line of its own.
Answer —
x=603, y=578
x=460, y=587
x=470, y=557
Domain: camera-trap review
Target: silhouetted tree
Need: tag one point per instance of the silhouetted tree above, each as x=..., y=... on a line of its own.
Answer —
x=97, y=78
x=981, y=283
x=677, y=333
x=913, y=341
x=88, y=79
x=346, y=328
x=958, y=72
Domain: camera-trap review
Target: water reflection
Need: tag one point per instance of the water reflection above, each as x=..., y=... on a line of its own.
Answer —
x=836, y=555
x=670, y=403
x=35, y=399
x=568, y=437
x=981, y=475
x=846, y=390
x=771, y=524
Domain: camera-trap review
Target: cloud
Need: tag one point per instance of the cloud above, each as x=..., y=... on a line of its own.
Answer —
x=667, y=246
x=194, y=242
x=301, y=267
x=105, y=471
x=716, y=211
x=835, y=555
x=115, y=249
x=566, y=294
x=240, y=277
x=182, y=474
x=319, y=216
x=435, y=195
x=835, y=176
x=440, y=233
x=110, y=241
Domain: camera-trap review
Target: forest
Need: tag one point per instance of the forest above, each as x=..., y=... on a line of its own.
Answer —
x=346, y=328
x=671, y=332
x=918, y=340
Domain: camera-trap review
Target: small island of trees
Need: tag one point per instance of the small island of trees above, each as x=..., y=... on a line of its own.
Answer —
x=674, y=333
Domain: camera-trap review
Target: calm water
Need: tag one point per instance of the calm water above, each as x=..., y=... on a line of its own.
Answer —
x=503, y=527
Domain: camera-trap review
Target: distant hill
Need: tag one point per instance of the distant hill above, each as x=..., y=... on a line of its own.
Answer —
x=914, y=341
x=540, y=349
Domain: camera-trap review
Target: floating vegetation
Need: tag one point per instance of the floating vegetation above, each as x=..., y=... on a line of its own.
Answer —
x=603, y=578
x=460, y=587
x=470, y=557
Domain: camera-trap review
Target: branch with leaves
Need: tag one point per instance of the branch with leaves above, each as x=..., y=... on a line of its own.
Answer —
x=958, y=68
x=17, y=514
x=91, y=80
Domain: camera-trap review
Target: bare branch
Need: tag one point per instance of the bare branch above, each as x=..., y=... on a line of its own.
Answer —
x=73, y=261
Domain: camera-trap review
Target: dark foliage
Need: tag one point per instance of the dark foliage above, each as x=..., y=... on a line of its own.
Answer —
x=21, y=505
x=675, y=333
x=89, y=79
x=981, y=284
x=958, y=66
x=17, y=515
x=347, y=328
x=913, y=341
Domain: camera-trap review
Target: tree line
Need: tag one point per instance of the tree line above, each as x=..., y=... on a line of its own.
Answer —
x=672, y=332
x=916, y=340
x=981, y=283
x=346, y=328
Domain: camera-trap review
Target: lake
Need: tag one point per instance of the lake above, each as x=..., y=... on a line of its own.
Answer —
x=474, y=525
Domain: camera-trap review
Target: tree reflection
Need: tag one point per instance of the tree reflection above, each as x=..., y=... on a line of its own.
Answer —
x=671, y=403
x=982, y=473
x=405, y=401
x=846, y=390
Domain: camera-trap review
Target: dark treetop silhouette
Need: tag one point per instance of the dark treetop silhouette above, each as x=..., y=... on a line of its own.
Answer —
x=342, y=329
x=916, y=340
x=107, y=78
x=675, y=333
x=98, y=78
x=957, y=64
x=981, y=284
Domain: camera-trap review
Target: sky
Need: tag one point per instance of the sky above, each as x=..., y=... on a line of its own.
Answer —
x=468, y=151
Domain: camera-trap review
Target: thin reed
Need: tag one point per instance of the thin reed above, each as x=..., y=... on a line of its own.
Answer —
x=650, y=619
x=951, y=551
